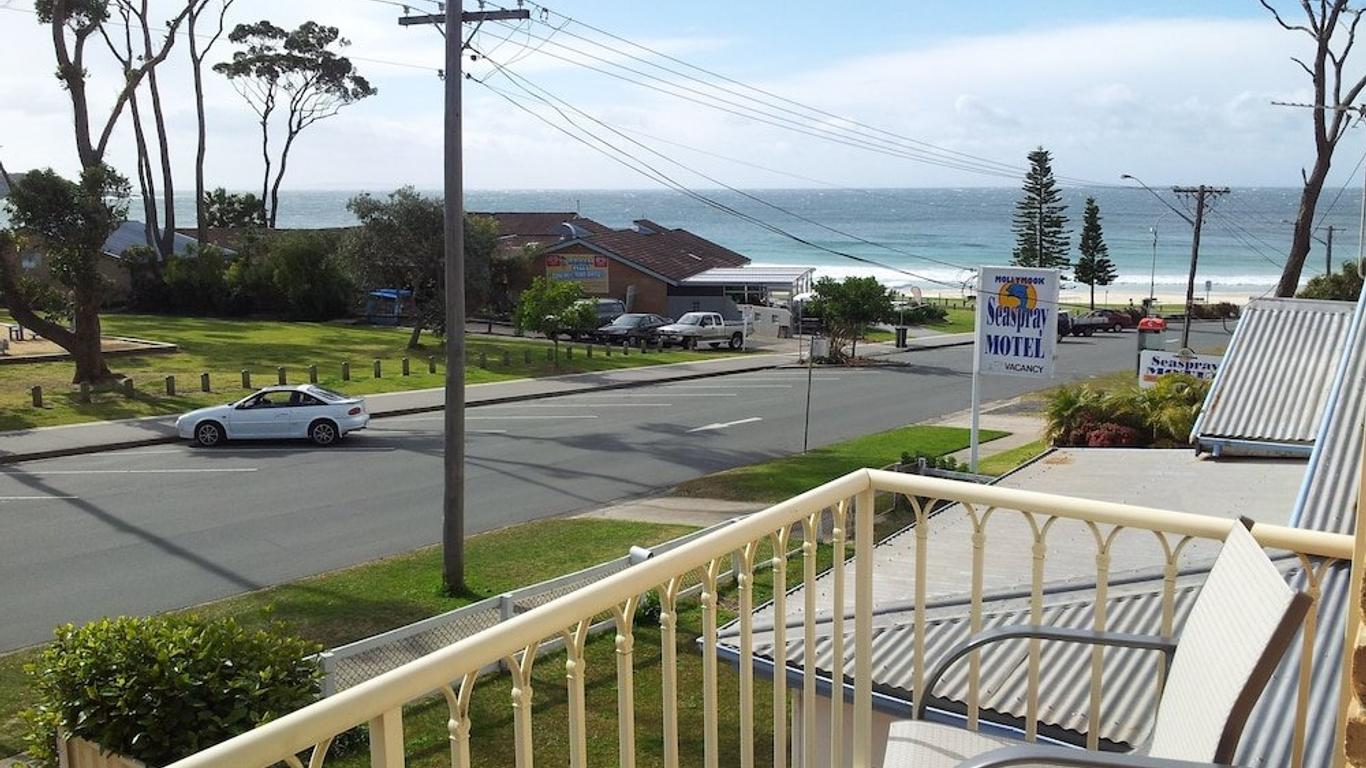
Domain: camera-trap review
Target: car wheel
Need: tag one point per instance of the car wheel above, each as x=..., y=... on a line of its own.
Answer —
x=208, y=434
x=690, y=344
x=1117, y=328
x=737, y=341
x=323, y=432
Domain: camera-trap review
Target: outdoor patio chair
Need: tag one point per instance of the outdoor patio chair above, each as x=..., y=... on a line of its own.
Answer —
x=1240, y=626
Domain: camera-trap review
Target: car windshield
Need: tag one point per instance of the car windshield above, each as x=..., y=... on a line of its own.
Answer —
x=690, y=319
x=629, y=321
x=328, y=395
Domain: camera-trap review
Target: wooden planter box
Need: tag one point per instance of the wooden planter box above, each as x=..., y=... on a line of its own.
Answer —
x=79, y=753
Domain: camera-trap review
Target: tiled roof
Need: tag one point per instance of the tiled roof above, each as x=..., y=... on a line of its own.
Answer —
x=671, y=253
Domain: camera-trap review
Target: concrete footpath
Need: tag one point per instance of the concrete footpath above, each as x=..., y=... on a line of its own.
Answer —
x=67, y=440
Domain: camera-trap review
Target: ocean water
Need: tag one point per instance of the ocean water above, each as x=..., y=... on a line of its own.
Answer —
x=938, y=234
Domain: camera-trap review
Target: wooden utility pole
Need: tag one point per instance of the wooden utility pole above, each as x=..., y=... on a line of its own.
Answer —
x=1203, y=195
x=453, y=496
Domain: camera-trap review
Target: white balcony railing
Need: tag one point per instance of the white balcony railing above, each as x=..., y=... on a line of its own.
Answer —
x=304, y=737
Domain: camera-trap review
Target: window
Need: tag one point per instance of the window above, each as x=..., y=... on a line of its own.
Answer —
x=298, y=399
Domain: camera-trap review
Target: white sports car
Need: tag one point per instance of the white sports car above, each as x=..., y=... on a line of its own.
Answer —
x=304, y=411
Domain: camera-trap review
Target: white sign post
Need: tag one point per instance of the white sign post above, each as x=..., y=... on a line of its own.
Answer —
x=1017, y=329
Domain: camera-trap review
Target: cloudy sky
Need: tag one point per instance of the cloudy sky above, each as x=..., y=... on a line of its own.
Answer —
x=1174, y=92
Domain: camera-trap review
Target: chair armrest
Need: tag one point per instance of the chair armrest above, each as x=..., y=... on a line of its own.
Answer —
x=1037, y=631
x=1037, y=754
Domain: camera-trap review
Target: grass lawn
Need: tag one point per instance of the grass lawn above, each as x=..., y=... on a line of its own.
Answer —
x=1005, y=461
x=958, y=321
x=773, y=481
x=225, y=348
x=351, y=604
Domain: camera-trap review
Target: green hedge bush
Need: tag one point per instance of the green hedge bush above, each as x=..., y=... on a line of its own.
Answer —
x=1161, y=416
x=160, y=688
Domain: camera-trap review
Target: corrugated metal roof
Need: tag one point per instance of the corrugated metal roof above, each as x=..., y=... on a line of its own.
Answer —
x=771, y=276
x=1275, y=377
x=133, y=233
x=1327, y=501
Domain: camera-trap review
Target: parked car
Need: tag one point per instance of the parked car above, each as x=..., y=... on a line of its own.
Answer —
x=1115, y=320
x=605, y=310
x=710, y=328
x=1084, y=325
x=632, y=328
x=305, y=411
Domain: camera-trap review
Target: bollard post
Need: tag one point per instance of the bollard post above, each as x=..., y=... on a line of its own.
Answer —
x=37, y=397
x=170, y=386
x=590, y=351
x=431, y=364
x=483, y=360
x=127, y=386
x=507, y=358
x=204, y=382
x=549, y=354
x=377, y=369
x=280, y=374
x=641, y=340
x=526, y=356
x=625, y=349
x=246, y=379
x=346, y=371
x=569, y=352
x=405, y=365
x=84, y=396
x=312, y=374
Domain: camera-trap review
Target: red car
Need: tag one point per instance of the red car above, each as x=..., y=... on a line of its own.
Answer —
x=1114, y=319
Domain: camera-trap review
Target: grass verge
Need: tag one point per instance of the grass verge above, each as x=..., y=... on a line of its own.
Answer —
x=773, y=481
x=354, y=603
x=225, y=348
x=1003, y=462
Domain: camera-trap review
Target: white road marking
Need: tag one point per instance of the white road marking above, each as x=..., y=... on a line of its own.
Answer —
x=520, y=406
x=34, y=498
x=724, y=424
x=128, y=471
x=546, y=417
x=671, y=394
x=730, y=386
x=144, y=453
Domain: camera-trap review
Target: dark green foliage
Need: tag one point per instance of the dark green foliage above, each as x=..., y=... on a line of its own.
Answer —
x=1160, y=416
x=161, y=688
x=225, y=210
x=921, y=314
x=1093, y=264
x=848, y=306
x=1040, y=223
x=196, y=284
x=1215, y=311
x=552, y=304
x=308, y=278
x=1339, y=286
x=70, y=221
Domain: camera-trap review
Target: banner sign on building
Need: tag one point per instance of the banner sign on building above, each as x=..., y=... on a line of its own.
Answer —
x=1153, y=363
x=1017, y=321
x=588, y=270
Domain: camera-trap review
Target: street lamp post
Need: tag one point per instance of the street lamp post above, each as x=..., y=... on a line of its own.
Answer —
x=1152, y=275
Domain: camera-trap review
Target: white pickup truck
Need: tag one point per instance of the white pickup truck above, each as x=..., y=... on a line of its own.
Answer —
x=710, y=328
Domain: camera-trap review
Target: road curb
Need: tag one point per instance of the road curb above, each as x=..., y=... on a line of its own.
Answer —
x=56, y=453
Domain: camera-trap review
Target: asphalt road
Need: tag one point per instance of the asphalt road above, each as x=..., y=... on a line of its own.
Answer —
x=153, y=529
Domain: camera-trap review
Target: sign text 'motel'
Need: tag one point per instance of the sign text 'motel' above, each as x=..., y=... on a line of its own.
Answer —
x=1017, y=321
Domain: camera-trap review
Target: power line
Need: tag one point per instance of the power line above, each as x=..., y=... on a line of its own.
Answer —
x=1014, y=169
x=740, y=109
x=514, y=78
x=624, y=158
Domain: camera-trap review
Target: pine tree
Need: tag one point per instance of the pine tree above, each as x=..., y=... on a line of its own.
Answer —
x=1039, y=224
x=1093, y=265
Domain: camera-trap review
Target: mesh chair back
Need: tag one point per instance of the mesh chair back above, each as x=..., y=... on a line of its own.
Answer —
x=1233, y=639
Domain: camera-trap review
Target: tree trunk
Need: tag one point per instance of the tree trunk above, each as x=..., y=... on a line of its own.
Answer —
x=413, y=337
x=279, y=176
x=1304, y=226
x=1093, y=297
x=166, y=232
x=90, y=365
